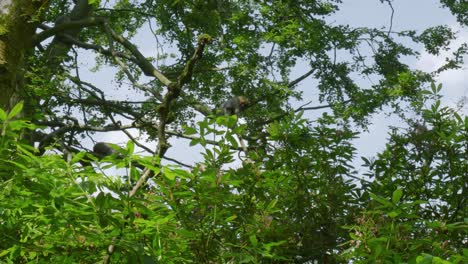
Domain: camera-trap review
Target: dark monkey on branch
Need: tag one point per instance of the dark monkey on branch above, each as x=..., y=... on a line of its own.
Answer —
x=235, y=105
x=102, y=149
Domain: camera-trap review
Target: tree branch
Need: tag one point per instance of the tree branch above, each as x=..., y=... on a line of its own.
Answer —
x=301, y=108
x=163, y=109
x=302, y=77
x=66, y=26
x=147, y=68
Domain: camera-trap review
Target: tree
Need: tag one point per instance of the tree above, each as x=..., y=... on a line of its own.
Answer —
x=294, y=190
x=416, y=213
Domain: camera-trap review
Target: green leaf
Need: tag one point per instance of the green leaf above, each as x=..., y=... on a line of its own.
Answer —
x=130, y=147
x=77, y=157
x=8, y=250
x=393, y=214
x=95, y=3
x=232, y=121
x=433, y=88
x=268, y=246
x=20, y=165
x=366, y=161
x=16, y=110
x=232, y=140
x=458, y=117
x=381, y=200
x=189, y=130
x=247, y=259
x=377, y=250
x=3, y=115
x=18, y=125
x=134, y=174
x=221, y=121
x=253, y=240
x=397, y=195
x=272, y=204
x=194, y=142
x=166, y=219
x=182, y=174
x=169, y=174
x=424, y=259
x=230, y=218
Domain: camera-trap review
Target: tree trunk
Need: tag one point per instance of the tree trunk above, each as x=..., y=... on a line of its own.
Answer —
x=18, y=22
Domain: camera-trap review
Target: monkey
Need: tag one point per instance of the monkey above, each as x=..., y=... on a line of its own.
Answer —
x=420, y=133
x=235, y=105
x=103, y=149
x=420, y=129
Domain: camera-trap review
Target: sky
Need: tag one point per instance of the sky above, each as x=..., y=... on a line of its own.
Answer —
x=409, y=14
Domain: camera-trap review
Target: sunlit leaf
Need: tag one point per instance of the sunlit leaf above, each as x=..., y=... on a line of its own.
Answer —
x=15, y=110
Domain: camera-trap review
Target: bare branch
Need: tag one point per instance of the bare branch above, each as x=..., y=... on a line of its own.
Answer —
x=202, y=108
x=133, y=80
x=88, y=46
x=318, y=107
x=208, y=141
x=302, y=108
x=391, y=17
x=142, y=62
x=298, y=80
x=177, y=162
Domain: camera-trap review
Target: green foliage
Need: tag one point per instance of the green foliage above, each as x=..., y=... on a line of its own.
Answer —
x=65, y=212
x=417, y=207
x=436, y=38
x=60, y=212
x=290, y=194
x=458, y=8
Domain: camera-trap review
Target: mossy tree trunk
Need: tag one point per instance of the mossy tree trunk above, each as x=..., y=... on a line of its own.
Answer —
x=18, y=22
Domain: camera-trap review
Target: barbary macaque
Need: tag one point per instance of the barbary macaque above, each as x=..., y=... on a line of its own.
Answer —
x=235, y=105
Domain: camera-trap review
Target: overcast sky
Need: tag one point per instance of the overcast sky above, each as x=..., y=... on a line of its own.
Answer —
x=409, y=14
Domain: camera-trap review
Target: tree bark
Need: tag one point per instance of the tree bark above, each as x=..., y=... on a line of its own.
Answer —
x=18, y=22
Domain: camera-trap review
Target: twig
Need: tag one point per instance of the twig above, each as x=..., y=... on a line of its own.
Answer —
x=391, y=17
